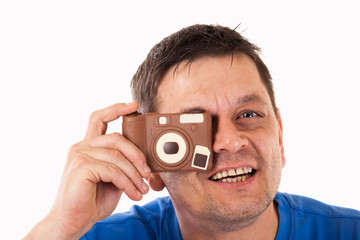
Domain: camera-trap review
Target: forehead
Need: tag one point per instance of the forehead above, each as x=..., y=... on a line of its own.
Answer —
x=210, y=82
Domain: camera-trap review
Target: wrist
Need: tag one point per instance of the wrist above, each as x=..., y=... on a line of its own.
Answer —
x=52, y=228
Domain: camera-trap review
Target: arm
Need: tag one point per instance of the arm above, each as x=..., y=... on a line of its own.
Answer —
x=98, y=170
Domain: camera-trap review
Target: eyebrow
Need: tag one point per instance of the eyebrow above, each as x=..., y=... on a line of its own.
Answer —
x=243, y=100
x=193, y=110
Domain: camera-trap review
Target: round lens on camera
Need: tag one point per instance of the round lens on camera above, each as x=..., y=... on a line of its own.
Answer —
x=171, y=148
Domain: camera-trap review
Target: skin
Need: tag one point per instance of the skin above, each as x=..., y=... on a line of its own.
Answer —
x=98, y=171
x=102, y=167
x=247, y=134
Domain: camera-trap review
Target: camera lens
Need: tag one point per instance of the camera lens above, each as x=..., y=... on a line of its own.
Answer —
x=171, y=148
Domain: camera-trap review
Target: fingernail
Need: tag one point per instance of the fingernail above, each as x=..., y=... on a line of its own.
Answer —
x=139, y=194
x=144, y=186
x=147, y=169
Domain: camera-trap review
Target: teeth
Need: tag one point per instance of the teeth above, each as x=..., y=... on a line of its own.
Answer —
x=231, y=172
x=217, y=175
x=235, y=179
x=239, y=171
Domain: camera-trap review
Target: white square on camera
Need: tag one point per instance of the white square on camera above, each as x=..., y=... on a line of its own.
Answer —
x=162, y=120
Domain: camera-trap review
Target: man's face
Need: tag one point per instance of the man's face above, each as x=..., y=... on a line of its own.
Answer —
x=247, y=134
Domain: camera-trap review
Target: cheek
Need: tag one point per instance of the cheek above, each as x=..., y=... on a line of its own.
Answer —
x=269, y=153
x=178, y=182
x=268, y=148
x=184, y=189
x=168, y=178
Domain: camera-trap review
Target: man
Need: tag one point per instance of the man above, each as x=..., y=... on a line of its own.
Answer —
x=198, y=69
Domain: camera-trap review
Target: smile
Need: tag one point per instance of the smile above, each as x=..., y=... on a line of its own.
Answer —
x=233, y=175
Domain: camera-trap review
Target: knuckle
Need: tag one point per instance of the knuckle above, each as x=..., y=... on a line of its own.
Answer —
x=73, y=153
x=122, y=165
x=73, y=148
x=115, y=155
x=112, y=168
x=139, y=156
x=116, y=136
x=117, y=139
x=77, y=161
x=80, y=161
x=94, y=116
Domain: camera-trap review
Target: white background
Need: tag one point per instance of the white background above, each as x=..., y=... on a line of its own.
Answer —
x=61, y=60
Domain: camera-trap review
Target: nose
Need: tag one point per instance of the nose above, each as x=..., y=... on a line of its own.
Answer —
x=227, y=137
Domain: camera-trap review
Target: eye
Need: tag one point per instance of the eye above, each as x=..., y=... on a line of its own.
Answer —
x=248, y=114
x=249, y=120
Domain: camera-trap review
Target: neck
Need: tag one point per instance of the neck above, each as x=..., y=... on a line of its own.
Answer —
x=263, y=226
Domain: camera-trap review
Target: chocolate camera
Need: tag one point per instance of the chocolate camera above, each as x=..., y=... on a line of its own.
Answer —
x=172, y=142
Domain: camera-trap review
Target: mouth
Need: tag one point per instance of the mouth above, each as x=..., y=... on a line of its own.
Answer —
x=237, y=175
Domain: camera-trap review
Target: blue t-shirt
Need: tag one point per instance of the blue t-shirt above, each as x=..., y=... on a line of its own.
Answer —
x=299, y=218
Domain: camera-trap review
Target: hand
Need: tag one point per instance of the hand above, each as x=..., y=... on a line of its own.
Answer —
x=98, y=170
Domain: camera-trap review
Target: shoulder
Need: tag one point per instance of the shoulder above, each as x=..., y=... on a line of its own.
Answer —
x=303, y=217
x=311, y=206
x=152, y=211
x=154, y=220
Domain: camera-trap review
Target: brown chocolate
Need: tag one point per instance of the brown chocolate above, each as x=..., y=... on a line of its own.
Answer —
x=172, y=142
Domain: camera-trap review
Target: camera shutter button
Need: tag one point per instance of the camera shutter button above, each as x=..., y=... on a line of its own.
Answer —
x=194, y=127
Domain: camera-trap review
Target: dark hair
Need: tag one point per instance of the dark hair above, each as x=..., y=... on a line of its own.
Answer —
x=189, y=44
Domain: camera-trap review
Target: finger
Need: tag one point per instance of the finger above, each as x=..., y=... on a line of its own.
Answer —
x=99, y=119
x=126, y=148
x=97, y=171
x=115, y=157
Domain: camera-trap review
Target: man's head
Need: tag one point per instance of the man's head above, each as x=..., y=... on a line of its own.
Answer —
x=217, y=71
x=187, y=45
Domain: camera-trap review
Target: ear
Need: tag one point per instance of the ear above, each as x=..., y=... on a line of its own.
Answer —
x=155, y=181
x=281, y=143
